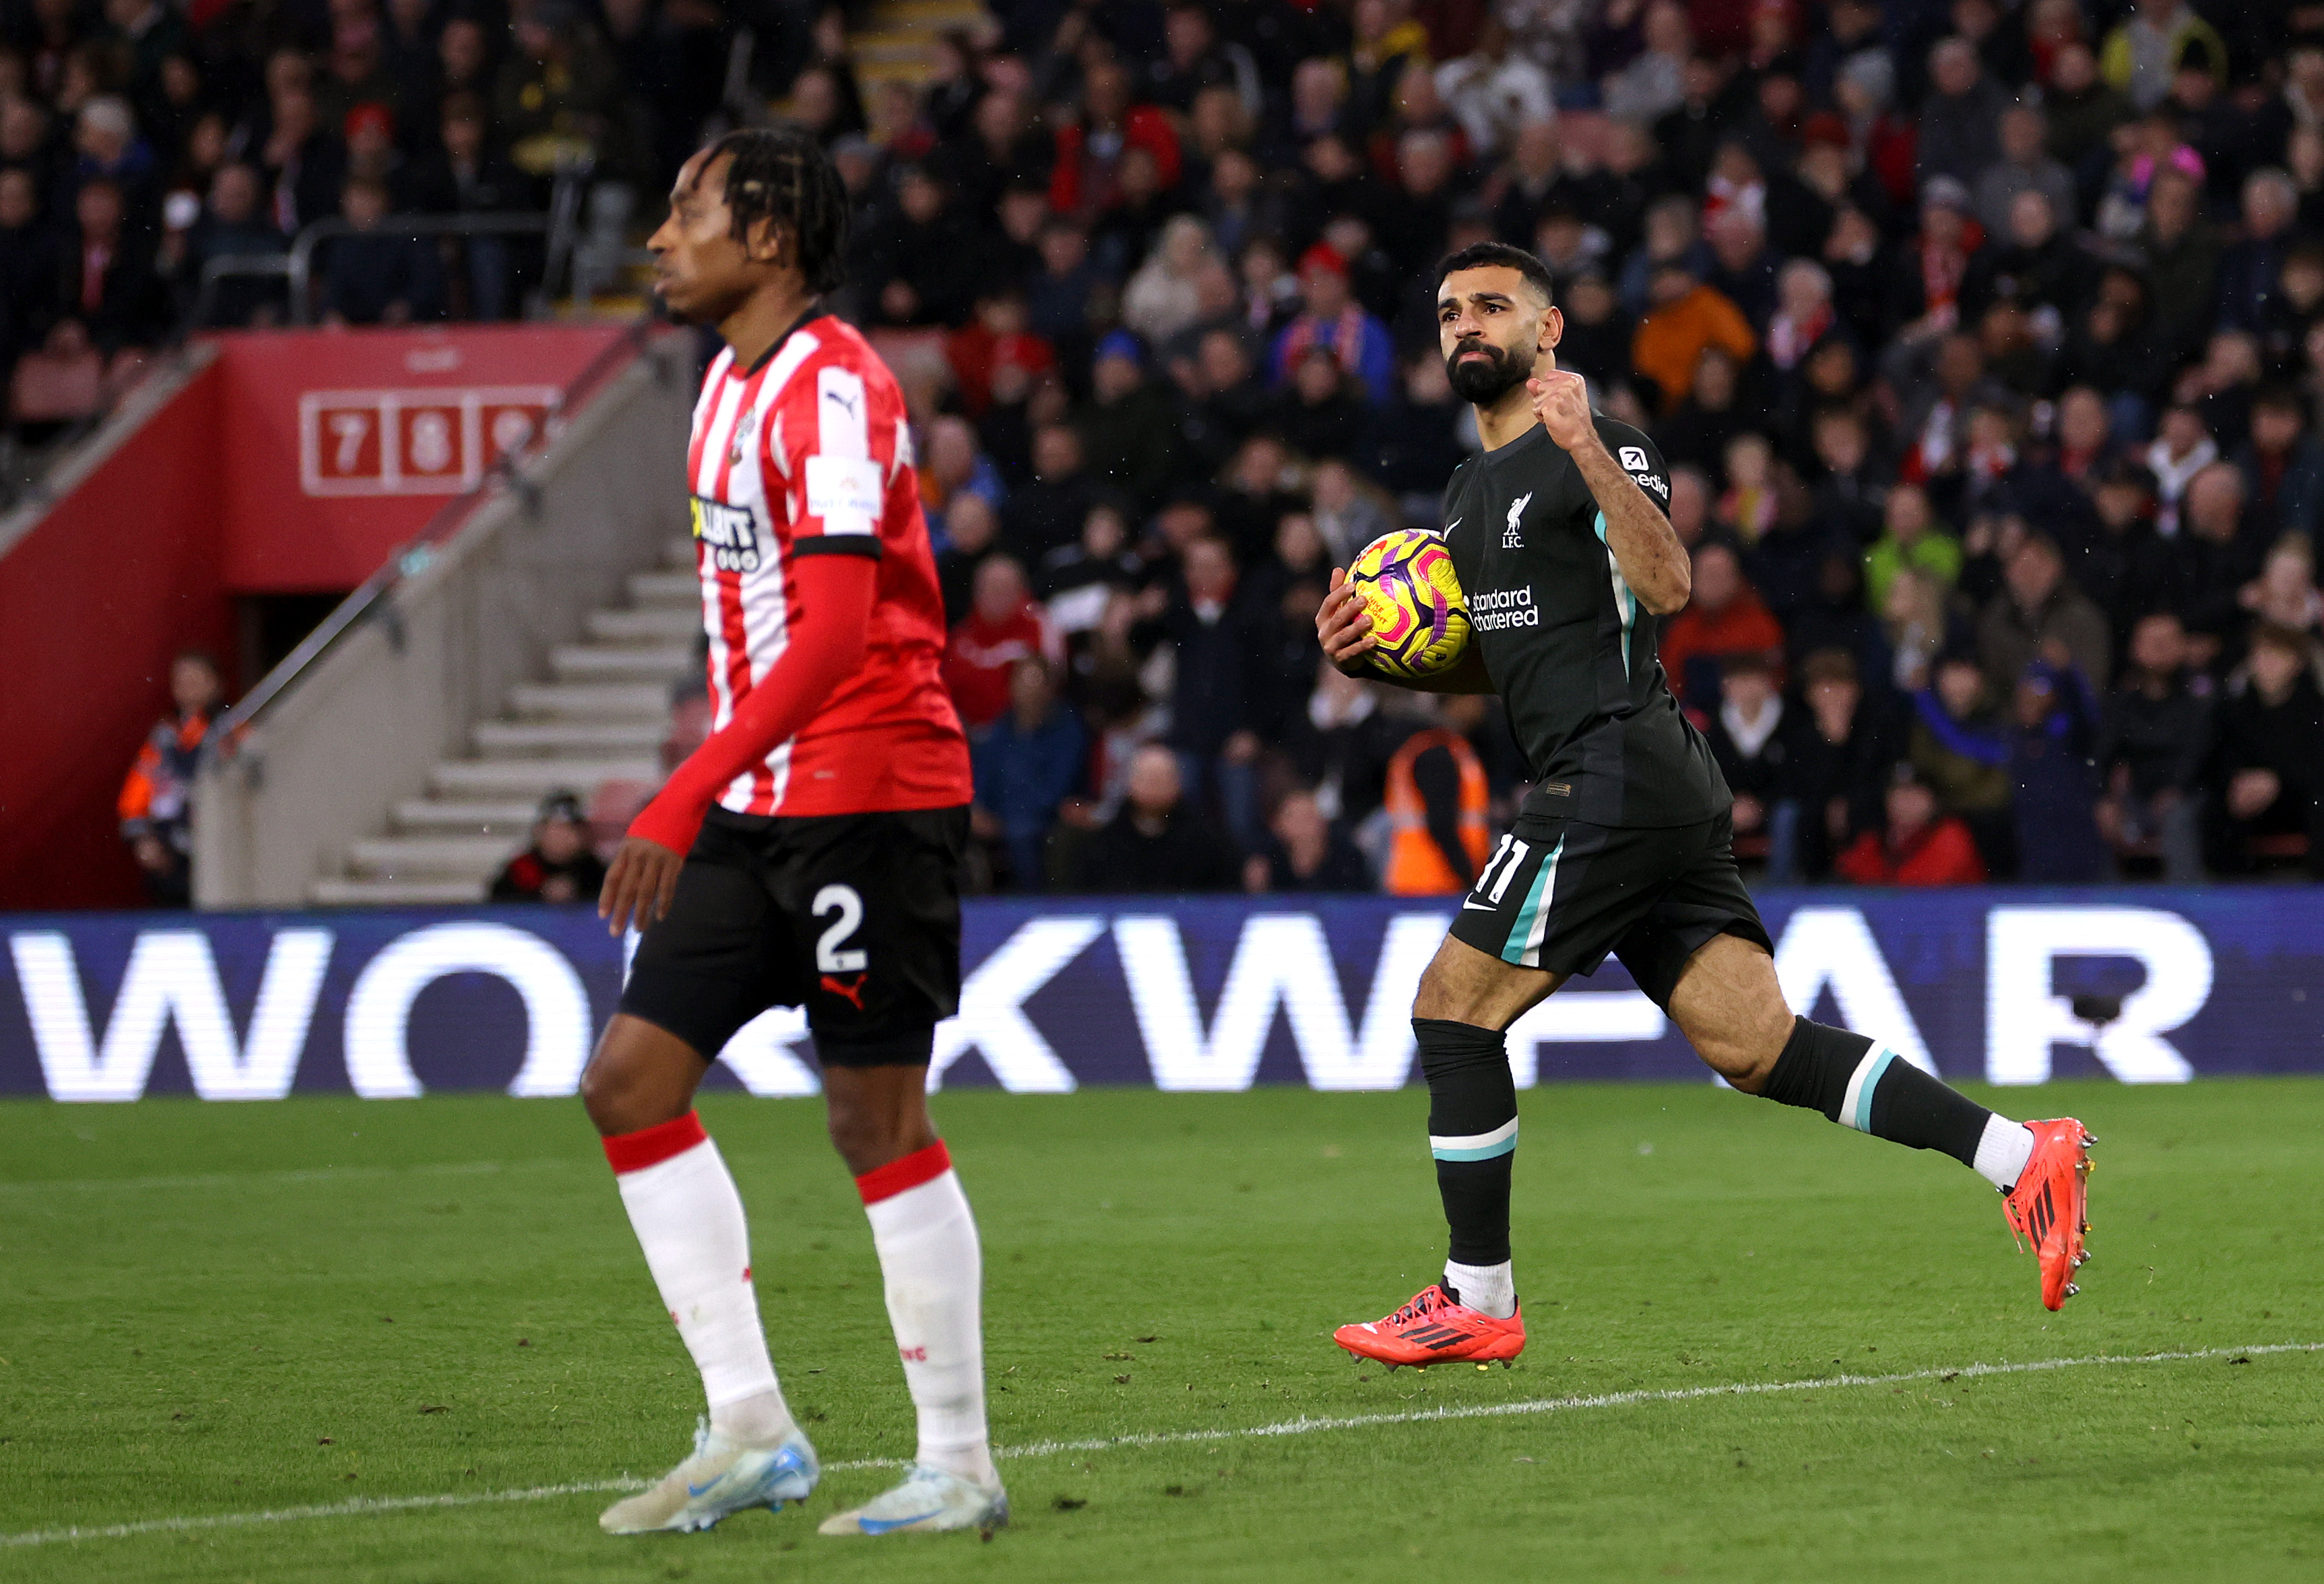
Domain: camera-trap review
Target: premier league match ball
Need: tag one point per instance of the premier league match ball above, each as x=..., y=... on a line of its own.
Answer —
x=1419, y=616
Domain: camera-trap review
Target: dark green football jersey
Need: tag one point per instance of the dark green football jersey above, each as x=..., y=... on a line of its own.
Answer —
x=1569, y=648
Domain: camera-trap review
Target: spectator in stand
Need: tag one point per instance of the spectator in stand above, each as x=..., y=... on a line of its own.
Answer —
x=377, y=276
x=2282, y=463
x=1438, y=804
x=1129, y=432
x=952, y=468
x=2284, y=592
x=2035, y=610
x=1912, y=537
x=971, y=529
x=1724, y=618
x=2145, y=49
x=156, y=802
x=1026, y=764
x=1003, y=627
x=1920, y=845
x=2154, y=731
x=109, y=282
x=1960, y=117
x=1831, y=785
x=1158, y=841
x=233, y=223
x=2266, y=764
x=1305, y=852
x=2207, y=568
x=1086, y=180
x=1754, y=739
x=2053, y=793
x=558, y=866
x=1685, y=316
x=1217, y=647
x=1330, y=317
x=1959, y=745
x=2025, y=165
x=1048, y=512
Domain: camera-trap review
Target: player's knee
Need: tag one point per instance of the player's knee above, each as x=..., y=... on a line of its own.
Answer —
x=1439, y=999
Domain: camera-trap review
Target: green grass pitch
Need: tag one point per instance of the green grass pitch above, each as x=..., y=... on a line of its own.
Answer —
x=218, y=1311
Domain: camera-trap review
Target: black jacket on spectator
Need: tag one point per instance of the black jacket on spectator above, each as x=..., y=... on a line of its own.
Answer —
x=2160, y=740
x=1343, y=867
x=2286, y=737
x=1187, y=855
x=1219, y=660
x=364, y=274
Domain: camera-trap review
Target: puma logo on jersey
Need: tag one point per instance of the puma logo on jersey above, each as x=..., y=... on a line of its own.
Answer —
x=846, y=403
x=1509, y=540
x=852, y=994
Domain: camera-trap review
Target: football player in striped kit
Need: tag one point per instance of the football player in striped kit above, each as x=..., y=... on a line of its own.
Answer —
x=807, y=854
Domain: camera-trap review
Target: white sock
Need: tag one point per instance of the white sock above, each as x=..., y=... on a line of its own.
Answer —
x=928, y=1254
x=1489, y=1289
x=2003, y=1150
x=688, y=1220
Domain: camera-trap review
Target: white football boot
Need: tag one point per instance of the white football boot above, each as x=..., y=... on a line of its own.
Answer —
x=928, y=1499
x=720, y=1476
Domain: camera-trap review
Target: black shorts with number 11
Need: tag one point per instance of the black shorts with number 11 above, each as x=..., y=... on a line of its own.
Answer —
x=1558, y=894
x=855, y=916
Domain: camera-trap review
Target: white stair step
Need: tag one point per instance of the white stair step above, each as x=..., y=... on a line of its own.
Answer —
x=505, y=739
x=663, y=663
x=653, y=625
x=370, y=893
x=667, y=588
x=591, y=701
x=406, y=858
x=459, y=817
x=537, y=777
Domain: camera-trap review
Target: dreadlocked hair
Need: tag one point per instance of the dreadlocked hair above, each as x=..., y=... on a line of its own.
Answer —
x=781, y=174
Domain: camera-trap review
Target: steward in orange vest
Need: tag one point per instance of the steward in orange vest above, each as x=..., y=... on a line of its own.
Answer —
x=1420, y=861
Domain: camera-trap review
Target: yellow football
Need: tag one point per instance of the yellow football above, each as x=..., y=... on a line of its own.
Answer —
x=1419, y=616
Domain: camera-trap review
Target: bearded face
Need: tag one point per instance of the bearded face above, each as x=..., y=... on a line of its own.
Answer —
x=1483, y=373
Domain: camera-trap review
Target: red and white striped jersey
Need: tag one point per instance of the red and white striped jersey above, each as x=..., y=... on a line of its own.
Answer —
x=808, y=452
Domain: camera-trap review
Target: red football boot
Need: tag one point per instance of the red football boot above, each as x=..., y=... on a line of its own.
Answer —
x=1433, y=1329
x=2048, y=1209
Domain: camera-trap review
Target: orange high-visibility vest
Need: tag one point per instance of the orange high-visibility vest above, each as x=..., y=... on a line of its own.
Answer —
x=1416, y=864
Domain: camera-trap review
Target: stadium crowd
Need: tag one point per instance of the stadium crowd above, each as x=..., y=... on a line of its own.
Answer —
x=1984, y=342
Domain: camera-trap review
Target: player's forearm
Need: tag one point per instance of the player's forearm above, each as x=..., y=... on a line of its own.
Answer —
x=825, y=648
x=1645, y=548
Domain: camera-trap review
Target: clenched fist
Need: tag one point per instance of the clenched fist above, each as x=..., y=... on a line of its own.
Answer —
x=1561, y=401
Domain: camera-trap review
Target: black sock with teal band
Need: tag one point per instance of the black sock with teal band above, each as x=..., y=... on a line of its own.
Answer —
x=1473, y=1132
x=1868, y=1087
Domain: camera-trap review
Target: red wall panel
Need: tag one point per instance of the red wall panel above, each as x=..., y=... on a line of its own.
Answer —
x=117, y=578
x=345, y=442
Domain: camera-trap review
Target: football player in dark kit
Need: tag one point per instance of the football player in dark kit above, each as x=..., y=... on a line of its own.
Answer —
x=1567, y=560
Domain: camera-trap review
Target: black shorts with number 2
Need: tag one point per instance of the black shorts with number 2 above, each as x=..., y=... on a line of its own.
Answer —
x=855, y=916
x=1559, y=895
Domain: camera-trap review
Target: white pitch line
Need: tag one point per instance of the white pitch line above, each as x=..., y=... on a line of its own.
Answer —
x=360, y=1506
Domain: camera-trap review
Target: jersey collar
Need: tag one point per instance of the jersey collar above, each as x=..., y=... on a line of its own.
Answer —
x=1535, y=436
x=776, y=346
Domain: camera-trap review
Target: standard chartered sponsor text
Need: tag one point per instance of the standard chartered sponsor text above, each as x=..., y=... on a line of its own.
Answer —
x=1503, y=607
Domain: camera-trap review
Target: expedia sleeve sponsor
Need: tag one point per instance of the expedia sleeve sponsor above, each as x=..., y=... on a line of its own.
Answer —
x=1496, y=608
x=732, y=532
